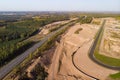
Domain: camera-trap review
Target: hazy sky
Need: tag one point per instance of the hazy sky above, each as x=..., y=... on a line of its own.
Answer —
x=60, y=5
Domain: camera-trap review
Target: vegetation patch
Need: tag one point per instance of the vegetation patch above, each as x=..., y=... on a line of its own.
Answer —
x=115, y=76
x=77, y=31
x=115, y=35
x=107, y=60
x=96, y=22
x=117, y=27
x=85, y=19
x=38, y=74
x=118, y=17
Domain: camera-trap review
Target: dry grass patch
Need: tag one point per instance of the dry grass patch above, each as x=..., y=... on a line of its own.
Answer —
x=77, y=31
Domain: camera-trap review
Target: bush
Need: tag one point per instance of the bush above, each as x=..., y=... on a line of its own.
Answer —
x=39, y=73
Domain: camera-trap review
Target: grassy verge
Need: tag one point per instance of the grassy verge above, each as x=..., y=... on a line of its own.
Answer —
x=105, y=59
x=115, y=76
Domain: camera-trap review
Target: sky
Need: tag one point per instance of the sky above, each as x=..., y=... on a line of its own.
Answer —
x=60, y=5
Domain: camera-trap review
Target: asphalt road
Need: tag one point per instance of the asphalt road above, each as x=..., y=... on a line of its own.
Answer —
x=7, y=68
x=91, y=54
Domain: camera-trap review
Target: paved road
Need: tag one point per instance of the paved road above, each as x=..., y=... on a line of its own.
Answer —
x=91, y=54
x=7, y=68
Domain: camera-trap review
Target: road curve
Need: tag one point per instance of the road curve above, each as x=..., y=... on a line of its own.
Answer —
x=8, y=67
x=91, y=53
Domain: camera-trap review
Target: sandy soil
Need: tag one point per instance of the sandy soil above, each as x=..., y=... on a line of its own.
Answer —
x=62, y=67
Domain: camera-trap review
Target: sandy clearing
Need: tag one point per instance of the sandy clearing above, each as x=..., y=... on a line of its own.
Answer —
x=62, y=67
x=63, y=53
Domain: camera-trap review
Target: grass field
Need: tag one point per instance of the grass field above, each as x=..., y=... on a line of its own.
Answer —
x=107, y=60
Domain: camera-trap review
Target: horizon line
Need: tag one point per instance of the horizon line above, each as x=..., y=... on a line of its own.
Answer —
x=60, y=11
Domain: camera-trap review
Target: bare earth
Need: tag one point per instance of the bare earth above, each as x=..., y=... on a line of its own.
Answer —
x=62, y=67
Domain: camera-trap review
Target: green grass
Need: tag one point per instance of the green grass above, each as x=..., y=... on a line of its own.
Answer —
x=115, y=76
x=105, y=59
